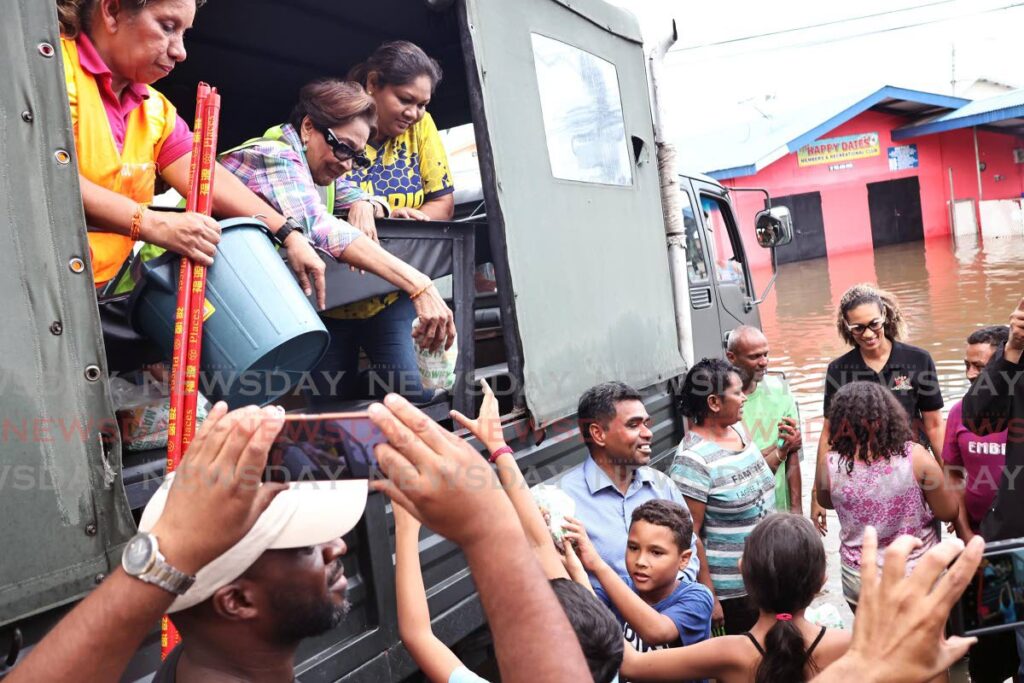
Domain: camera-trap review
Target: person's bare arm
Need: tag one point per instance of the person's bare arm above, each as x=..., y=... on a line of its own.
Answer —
x=487, y=428
x=935, y=429
x=772, y=457
x=697, y=509
x=437, y=323
x=962, y=523
x=824, y=493
x=714, y=658
x=818, y=515
x=219, y=478
x=231, y=198
x=445, y=483
x=575, y=568
x=440, y=209
x=794, y=481
x=432, y=656
x=654, y=628
x=192, y=234
x=940, y=496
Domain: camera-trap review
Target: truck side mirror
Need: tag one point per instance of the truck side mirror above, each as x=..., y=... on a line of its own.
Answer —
x=773, y=227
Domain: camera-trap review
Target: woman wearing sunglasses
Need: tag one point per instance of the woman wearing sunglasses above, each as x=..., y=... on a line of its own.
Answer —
x=406, y=166
x=299, y=168
x=870, y=320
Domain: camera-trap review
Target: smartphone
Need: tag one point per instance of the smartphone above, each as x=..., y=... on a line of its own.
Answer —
x=327, y=447
x=994, y=599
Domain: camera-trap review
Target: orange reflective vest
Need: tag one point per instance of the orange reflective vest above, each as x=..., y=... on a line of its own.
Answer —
x=132, y=172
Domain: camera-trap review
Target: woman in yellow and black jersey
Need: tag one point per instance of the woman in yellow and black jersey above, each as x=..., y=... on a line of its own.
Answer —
x=409, y=168
x=408, y=165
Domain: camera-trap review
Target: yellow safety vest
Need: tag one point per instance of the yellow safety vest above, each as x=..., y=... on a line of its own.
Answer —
x=132, y=172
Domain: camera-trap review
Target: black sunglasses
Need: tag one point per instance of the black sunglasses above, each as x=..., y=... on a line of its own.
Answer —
x=342, y=152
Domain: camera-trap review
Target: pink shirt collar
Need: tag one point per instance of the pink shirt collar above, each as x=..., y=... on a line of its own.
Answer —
x=91, y=61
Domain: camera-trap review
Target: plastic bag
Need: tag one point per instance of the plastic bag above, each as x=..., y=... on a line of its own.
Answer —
x=826, y=615
x=437, y=368
x=555, y=505
x=143, y=412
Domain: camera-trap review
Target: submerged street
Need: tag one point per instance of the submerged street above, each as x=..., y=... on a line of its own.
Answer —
x=946, y=290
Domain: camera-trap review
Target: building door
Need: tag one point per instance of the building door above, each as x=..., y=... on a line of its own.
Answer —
x=808, y=227
x=895, y=207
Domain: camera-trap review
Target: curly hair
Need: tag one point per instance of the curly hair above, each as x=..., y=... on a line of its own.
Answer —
x=867, y=422
x=670, y=515
x=895, y=327
x=707, y=377
x=74, y=15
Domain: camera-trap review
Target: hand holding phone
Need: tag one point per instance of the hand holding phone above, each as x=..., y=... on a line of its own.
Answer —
x=994, y=600
x=328, y=447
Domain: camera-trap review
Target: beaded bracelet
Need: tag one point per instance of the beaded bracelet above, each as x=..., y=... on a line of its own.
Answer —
x=136, y=228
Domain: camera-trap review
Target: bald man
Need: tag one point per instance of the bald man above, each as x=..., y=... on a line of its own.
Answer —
x=770, y=415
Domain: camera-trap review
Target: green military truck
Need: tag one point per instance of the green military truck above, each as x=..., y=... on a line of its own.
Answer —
x=592, y=282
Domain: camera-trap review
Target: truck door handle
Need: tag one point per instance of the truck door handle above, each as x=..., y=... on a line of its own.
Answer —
x=700, y=297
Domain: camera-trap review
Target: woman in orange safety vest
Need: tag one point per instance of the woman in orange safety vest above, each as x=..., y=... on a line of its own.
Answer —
x=127, y=133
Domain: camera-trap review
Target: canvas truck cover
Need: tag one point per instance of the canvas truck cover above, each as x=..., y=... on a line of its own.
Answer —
x=575, y=184
x=61, y=500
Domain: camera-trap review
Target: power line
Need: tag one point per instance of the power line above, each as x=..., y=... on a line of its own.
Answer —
x=862, y=34
x=809, y=26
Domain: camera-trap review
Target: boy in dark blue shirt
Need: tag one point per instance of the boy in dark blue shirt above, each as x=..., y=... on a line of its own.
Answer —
x=656, y=608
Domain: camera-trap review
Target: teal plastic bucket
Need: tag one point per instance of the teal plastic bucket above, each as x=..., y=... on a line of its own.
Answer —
x=261, y=333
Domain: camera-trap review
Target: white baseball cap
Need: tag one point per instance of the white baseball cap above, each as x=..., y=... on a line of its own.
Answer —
x=306, y=513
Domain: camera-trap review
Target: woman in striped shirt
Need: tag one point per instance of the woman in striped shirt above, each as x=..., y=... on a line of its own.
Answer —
x=727, y=483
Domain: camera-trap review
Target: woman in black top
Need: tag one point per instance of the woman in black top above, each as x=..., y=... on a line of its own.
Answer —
x=870, y=320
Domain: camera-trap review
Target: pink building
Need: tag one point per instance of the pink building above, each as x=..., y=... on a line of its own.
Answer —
x=896, y=166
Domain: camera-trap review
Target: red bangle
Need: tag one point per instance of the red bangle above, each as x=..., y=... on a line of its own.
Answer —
x=500, y=452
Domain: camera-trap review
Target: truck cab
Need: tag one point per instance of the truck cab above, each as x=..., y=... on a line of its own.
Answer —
x=570, y=224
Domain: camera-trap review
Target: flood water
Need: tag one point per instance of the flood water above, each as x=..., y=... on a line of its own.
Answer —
x=946, y=290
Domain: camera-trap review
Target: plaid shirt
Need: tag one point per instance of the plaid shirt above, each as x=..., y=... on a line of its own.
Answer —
x=281, y=177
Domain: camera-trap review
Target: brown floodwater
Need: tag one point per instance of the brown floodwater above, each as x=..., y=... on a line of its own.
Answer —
x=945, y=289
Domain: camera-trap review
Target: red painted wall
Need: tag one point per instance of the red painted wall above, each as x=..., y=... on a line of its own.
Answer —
x=844, y=194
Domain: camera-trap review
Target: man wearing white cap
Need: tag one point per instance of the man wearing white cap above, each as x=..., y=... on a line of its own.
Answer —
x=249, y=609
x=209, y=561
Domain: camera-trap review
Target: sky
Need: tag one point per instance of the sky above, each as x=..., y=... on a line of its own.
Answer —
x=715, y=86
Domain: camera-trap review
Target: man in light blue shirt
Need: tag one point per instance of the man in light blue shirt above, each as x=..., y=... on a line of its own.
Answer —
x=615, y=479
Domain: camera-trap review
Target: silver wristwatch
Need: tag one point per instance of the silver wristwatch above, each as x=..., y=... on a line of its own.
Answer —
x=142, y=559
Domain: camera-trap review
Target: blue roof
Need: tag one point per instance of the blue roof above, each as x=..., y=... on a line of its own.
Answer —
x=1004, y=111
x=745, y=150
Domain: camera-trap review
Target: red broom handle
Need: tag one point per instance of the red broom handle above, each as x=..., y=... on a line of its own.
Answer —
x=196, y=312
x=178, y=356
x=184, y=363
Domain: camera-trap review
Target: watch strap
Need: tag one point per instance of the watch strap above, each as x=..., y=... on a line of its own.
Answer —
x=163, y=575
x=289, y=226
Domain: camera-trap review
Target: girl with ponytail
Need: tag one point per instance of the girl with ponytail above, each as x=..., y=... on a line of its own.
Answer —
x=783, y=568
